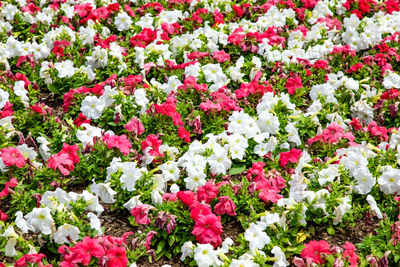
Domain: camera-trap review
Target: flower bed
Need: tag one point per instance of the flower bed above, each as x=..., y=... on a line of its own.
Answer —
x=209, y=133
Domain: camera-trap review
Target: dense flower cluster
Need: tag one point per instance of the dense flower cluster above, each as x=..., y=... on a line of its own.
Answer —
x=227, y=133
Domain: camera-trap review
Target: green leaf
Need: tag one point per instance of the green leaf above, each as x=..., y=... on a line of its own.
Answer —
x=330, y=230
x=237, y=169
x=160, y=246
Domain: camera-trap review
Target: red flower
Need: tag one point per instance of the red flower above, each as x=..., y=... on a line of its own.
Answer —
x=154, y=143
x=12, y=183
x=71, y=151
x=117, y=257
x=187, y=197
x=293, y=83
x=199, y=210
x=12, y=156
x=314, y=249
x=135, y=125
x=208, y=229
x=141, y=213
x=81, y=119
x=225, y=206
x=31, y=258
x=207, y=192
x=291, y=156
x=183, y=134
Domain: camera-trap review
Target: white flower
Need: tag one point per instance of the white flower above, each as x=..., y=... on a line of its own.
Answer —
x=341, y=210
x=66, y=233
x=268, y=219
x=243, y=263
x=104, y=191
x=363, y=111
x=187, y=250
x=374, y=206
x=195, y=179
x=3, y=98
x=389, y=181
x=214, y=73
x=219, y=161
x=92, y=202
x=170, y=171
x=365, y=180
x=328, y=175
x=65, y=68
x=123, y=21
x=41, y=220
x=11, y=236
x=256, y=236
x=108, y=96
x=391, y=80
x=268, y=122
x=21, y=222
x=92, y=107
x=133, y=202
x=86, y=136
x=293, y=134
x=278, y=253
x=228, y=242
x=95, y=222
x=130, y=176
x=205, y=256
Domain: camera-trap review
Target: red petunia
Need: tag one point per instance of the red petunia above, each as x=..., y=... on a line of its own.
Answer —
x=117, y=257
x=291, y=156
x=293, y=83
x=135, y=125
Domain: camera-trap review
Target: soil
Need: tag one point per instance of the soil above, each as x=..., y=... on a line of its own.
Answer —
x=354, y=234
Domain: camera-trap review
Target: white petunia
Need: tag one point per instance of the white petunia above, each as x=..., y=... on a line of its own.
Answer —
x=66, y=233
x=4, y=95
x=92, y=107
x=256, y=236
x=95, y=222
x=104, y=191
x=123, y=21
x=268, y=122
x=41, y=220
x=205, y=256
x=65, y=69
x=374, y=206
x=389, y=181
x=365, y=180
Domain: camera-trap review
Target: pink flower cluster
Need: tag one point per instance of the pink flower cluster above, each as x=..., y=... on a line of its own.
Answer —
x=65, y=160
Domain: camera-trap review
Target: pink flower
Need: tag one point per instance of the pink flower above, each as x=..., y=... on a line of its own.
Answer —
x=117, y=257
x=293, y=83
x=62, y=162
x=314, y=249
x=149, y=237
x=349, y=251
x=141, y=213
x=225, y=206
x=120, y=142
x=135, y=125
x=291, y=156
x=12, y=156
x=12, y=183
x=208, y=230
x=221, y=56
x=199, y=210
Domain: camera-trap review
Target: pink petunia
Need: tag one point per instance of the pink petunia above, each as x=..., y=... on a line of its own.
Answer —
x=208, y=229
x=291, y=156
x=225, y=206
x=293, y=83
x=135, y=125
x=141, y=213
x=12, y=156
x=121, y=142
